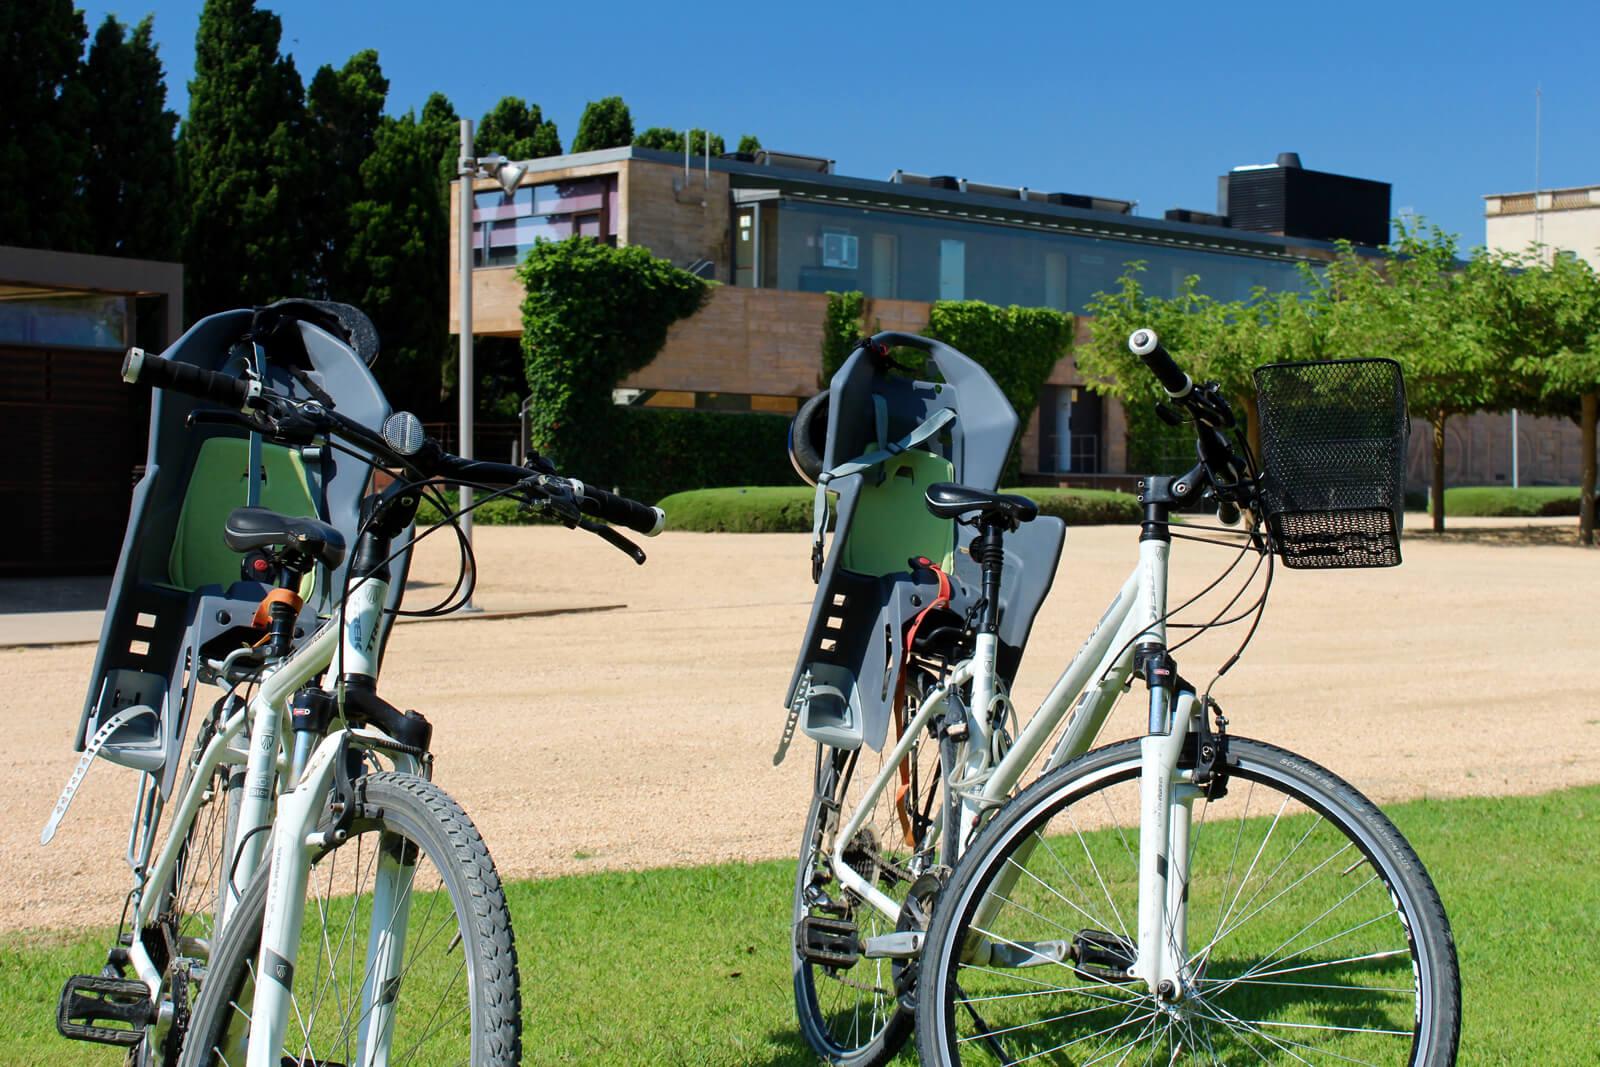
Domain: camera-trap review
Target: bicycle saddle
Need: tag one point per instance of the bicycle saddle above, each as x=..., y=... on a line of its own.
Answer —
x=950, y=501
x=248, y=528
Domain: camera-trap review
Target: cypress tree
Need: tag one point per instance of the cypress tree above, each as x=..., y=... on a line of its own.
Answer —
x=243, y=168
x=130, y=179
x=343, y=110
x=394, y=266
x=41, y=125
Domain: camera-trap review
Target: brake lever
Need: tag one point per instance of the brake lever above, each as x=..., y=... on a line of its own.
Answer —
x=616, y=540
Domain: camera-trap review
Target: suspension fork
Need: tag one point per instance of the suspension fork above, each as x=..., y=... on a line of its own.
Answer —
x=386, y=946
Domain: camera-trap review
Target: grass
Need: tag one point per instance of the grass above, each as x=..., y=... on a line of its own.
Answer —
x=787, y=509
x=1495, y=500
x=690, y=966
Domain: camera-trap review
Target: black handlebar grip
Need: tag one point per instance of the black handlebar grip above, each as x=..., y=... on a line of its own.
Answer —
x=620, y=511
x=1147, y=346
x=139, y=367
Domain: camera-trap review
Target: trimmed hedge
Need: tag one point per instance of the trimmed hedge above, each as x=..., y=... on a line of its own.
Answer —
x=1495, y=500
x=665, y=451
x=781, y=509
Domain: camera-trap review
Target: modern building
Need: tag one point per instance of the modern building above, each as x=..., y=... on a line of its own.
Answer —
x=779, y=231
x=71, y=431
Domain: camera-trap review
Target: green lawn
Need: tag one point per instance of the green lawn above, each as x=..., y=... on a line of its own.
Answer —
x=690, y=966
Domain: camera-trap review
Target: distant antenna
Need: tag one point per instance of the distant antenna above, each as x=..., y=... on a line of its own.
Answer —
x=1538, y=204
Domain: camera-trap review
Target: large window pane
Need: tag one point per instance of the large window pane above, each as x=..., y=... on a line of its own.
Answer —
x=999, y=264
x=82, y=320
x=505, y=226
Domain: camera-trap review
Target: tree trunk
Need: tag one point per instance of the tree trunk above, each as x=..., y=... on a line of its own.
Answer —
x=1252, y=421
x=1591, y=412
x=1437, y=494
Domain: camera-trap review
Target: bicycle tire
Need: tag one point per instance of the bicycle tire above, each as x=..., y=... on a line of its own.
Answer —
x=869, y=988
x=424, y=816
x=968, y=1010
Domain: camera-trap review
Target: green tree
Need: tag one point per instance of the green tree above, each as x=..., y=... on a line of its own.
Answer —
x=749, y=143
x=42, y=144
x=393, y=263
x=1414, y=306
x=517, y=130
x=605, y=123
x=1542, y=323
x=242, y=162
x=343, y=111
x=665, y=140
x=130, y=171
x=441, y=126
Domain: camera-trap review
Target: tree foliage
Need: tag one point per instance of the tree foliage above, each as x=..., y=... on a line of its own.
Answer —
x=517, y=130
x=592, y=315
x=664, y=140
x=749, y=143
x=244, y=169
x=344, y=109
x=842, y=326
x=605, y=123
x=130, y=169
x=42, y=111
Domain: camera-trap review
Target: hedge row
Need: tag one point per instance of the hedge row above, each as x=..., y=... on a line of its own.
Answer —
x=780, y=509
x=666, y=451
x=1495, y=500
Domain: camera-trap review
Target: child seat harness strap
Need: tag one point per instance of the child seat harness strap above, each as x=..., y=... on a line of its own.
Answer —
x=900, y=709
x=885, y=451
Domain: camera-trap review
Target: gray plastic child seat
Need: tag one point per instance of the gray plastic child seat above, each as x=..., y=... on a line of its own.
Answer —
x=177, y=586
x=889, y=438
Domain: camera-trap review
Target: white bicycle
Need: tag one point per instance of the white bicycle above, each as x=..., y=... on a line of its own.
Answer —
x=357, y=916
x=1188, y=896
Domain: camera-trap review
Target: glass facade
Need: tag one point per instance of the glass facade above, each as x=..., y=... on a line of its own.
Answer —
x=77, y=320
x=505, y=227
x=896, y=255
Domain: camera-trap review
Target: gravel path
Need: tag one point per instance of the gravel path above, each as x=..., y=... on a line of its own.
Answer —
x=642, y=737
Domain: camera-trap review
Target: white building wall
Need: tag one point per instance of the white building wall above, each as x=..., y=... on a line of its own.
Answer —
x=1568, y=218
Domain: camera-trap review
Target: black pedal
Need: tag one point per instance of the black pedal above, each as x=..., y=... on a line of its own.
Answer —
x=828, y=942
x=1102, y=957
x=89, y=1001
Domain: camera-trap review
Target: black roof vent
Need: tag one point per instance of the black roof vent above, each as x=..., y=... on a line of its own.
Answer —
x=1198, y=218
x=1289, y=159
x=1290, y=201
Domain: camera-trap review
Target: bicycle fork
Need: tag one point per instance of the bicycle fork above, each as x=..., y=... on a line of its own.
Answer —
x=1164, y=821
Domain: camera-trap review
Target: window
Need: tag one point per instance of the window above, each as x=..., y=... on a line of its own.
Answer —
x=840, y=250
x=506, y=226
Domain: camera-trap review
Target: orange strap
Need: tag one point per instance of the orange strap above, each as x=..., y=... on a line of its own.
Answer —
x=275, y=596
x=940, y=601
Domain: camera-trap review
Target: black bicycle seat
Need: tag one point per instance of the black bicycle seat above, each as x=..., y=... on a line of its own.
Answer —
x=251, y=528
x=950, y=501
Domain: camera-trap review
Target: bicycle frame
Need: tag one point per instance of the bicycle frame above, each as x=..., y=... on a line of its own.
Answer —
x=357, y=646
x=1083, y=695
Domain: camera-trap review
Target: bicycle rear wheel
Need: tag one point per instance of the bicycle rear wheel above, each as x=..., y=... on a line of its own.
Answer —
x=854, y=1011
x=1313, y=933
x=413, y=862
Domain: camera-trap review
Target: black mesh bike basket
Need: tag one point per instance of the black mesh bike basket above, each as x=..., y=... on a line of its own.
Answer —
x=1333, y=444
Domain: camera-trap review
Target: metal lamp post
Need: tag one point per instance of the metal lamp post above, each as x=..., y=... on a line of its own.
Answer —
x=468, y=169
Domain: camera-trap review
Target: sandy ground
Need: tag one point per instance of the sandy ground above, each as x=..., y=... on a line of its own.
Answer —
x=643, y=736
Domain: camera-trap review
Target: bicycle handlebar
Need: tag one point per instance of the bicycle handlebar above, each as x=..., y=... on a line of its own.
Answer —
x=244, y=395
x=141, y=368
x=1147, y=346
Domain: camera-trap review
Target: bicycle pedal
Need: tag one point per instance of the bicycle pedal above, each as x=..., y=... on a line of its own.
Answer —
x=88, y=1001
x=828, y=942
x=1102, y=956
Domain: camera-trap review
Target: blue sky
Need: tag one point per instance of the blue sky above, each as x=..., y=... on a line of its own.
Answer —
x=1149, y=102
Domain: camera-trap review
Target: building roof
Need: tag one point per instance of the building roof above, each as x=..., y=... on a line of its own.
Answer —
x=972, y=205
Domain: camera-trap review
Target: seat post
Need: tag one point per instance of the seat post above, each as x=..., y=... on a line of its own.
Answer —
x=988, y=549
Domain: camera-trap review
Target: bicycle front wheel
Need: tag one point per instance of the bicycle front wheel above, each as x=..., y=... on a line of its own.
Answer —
x=411, y=895
x=1312, y=932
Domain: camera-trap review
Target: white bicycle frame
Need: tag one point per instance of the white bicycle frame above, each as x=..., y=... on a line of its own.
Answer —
x=292, y=830
x=1088, y=689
